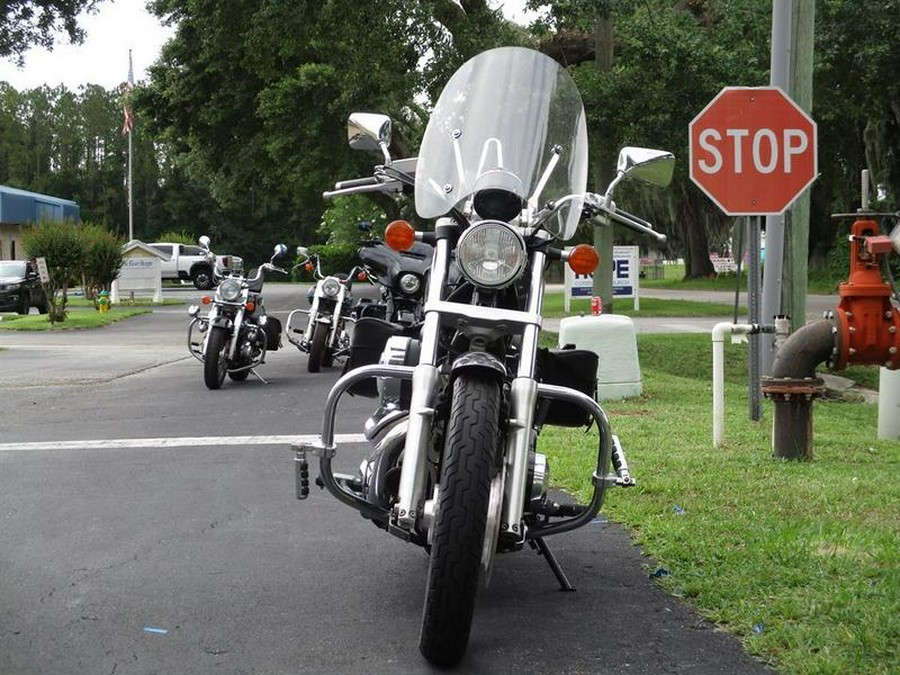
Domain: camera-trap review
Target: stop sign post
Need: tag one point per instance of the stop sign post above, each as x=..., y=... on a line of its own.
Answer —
x=752, y=150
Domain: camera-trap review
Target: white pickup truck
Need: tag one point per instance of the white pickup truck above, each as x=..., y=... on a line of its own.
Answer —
x=187, y=262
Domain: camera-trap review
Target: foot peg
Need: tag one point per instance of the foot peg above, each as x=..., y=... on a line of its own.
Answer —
x=623, y=477
x=301, y=472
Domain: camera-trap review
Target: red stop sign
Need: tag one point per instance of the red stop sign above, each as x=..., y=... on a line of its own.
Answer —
x=752, y=150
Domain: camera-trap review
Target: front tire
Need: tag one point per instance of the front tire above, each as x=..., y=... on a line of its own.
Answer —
x=202, y=278
x=458, y=531
x=24, y=304
x=215, y=363
x=317, y=347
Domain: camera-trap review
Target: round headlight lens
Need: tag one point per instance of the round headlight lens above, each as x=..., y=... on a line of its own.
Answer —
x=331, y=287
x=410, y=284
x=230, y=290
x=491, y=254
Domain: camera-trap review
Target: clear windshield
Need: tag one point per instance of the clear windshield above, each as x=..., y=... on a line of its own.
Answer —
x=497, y=124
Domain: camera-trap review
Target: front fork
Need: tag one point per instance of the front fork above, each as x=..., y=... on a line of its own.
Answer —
x=523, y=396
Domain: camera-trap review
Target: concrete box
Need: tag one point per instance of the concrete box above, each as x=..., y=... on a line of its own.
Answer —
x=614, y=340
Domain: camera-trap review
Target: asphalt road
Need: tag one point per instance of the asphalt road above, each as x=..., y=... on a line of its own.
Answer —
x=148, y=525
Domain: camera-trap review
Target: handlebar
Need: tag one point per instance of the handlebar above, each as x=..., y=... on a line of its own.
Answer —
x=387, y=187
x=600, y=205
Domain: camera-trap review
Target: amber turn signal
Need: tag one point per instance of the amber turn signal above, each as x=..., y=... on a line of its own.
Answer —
x=399, y=235
x=206, y=299
x=250, y=306
x=583, y=259
x=309, y=267
x=362, y=276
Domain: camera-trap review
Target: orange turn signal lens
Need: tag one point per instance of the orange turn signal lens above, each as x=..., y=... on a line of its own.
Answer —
x=583, y=259
x=399, y=235
x=206, y=299
x=362, y=276
x=309, y=267
x=250, y=306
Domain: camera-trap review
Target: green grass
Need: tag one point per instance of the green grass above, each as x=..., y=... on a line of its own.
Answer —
x=673, y=278
x=78, y=318
x=554, y=307
x=798, y=559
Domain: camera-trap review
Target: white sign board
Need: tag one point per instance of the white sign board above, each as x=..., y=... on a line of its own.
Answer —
x=138, y=274
x=42, y=270
x=626, y=272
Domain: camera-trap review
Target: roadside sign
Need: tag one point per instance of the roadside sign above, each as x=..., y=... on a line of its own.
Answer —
x=42, y=270
x=752, y=150
x=626, y=271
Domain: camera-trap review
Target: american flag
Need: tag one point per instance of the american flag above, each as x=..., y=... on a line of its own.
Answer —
x=127, y=86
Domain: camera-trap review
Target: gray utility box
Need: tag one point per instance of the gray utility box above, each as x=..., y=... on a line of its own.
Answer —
x=613, y=339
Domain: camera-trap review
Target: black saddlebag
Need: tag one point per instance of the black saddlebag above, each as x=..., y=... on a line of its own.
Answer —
x=370, y=335
x=272, y=330
x=573, y=368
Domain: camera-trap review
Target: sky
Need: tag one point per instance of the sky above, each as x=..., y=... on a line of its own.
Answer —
x=118, y=26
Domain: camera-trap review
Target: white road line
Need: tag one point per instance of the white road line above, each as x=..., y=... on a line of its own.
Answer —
x=184, y=442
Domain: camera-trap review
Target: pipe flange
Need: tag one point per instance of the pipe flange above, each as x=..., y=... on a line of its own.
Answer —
x=788, y=387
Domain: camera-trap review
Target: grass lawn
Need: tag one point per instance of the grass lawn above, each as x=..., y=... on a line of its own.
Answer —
x=673, y=278
x=78, y=317
x=801, y=560
x=554, y=307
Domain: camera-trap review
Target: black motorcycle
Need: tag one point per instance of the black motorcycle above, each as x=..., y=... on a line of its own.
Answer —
x=455, y=464
x=234, y=336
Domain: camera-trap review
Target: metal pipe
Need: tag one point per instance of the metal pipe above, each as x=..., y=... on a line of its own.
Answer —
x=793, y=386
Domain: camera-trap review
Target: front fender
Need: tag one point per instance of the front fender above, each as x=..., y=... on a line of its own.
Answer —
x=480, y=360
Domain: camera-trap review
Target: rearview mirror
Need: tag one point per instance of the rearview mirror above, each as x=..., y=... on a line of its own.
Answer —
x=369, y=131
x=646, y=165
x=280, y=250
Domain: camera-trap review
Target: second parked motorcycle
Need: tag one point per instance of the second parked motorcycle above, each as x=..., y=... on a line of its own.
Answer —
x=324, y=336
x=234, y=336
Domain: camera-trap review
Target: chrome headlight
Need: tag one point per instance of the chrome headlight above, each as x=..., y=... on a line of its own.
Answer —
x=410, y=284
x=230, y=290
x=491, y=254
x=331, y=287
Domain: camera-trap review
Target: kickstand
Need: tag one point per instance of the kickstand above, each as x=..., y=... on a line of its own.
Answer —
x=261, y=378
x=540, y=545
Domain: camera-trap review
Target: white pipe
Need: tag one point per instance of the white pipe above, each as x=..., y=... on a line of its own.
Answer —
x=889, y=403
x=718, y=338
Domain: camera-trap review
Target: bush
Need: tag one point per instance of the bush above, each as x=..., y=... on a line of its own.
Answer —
x=180, y=237
x=61, y=245
x=102, y=259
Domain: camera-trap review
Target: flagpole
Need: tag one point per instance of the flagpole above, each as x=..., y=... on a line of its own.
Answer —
x=130, y=192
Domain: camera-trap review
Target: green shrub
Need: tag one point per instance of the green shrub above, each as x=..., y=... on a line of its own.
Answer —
x=102, y=259
x=334, y=259
x=61, y=245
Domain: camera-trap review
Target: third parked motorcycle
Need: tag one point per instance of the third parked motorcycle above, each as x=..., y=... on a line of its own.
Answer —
x=234, y=336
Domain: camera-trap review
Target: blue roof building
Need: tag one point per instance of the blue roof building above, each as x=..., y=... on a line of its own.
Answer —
x=19, y=208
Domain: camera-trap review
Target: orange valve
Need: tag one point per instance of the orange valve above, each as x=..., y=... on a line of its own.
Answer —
x=399, y=235
x=583, y=259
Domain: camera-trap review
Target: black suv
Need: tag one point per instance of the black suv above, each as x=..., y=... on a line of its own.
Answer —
x=20, y=288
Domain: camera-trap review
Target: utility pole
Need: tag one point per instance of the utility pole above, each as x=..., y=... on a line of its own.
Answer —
x=604, y=164
x=779, y=76
x=793, y=295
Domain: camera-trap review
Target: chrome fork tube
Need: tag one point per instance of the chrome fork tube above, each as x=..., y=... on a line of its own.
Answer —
x=235, y=332
x=424, y=386
x=522, y=398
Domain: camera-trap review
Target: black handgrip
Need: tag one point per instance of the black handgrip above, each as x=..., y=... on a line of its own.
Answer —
x=356, y=182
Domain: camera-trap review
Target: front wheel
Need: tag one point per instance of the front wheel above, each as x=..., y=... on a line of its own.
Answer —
x=458, y=531
x=202, y=278
x=317, y=347
x=215, y=362
x=24, y=304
